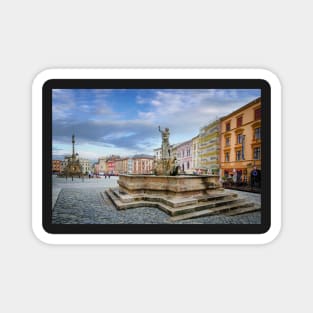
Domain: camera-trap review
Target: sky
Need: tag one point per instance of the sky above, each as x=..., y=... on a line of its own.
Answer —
x=125, y=121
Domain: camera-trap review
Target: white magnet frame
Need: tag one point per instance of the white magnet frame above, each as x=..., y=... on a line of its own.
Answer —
x=159, y=239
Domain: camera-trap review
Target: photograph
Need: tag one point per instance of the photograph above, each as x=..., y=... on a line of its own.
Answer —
x=156, y=156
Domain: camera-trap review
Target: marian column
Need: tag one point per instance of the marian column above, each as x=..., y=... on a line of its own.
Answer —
x=73, y=149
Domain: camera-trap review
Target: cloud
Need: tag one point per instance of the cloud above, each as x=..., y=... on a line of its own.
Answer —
x=147, y=115
x=186, y=111
x=63, y=104
x=81, y=104
x=141, y=100
x=106, y=121
x=122, y=134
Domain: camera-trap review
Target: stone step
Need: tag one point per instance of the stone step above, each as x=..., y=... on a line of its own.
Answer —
x=216, y=196
x=243, y=210
x=205, y=205
x=173, y=211
x=225, y=205
x=115, y=200
x=136, y=204
x=172, y=202
x=212, y=211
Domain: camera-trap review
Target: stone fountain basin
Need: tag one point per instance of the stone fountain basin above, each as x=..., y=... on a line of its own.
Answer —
x=176, y=186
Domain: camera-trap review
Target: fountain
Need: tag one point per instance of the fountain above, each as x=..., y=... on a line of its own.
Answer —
x=180, y=196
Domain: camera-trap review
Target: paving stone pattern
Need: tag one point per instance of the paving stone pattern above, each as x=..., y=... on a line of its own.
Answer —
x=85, y=203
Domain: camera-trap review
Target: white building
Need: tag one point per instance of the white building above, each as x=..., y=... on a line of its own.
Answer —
x=157, y=153
x=129, y=165
x=102, y=165
x=85, y=165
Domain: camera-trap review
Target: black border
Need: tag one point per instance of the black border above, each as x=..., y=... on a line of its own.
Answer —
x=156, y=228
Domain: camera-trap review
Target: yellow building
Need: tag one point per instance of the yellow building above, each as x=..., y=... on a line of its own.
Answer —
x=194, y=153
x=241, y=144
x=121, y=165
x=209, y=148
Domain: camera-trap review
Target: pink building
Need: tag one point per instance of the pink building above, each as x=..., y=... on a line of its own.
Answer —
x=184, y=156
x=111, y=164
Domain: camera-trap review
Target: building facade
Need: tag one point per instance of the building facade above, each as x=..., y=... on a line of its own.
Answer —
x=241, y=144
x=121, y=166
x=195, y=154
x=125, y=165
x=65, y=162
x=142, y=164
x=96, y=168
x=118, y=169
x=129, y=166
x=111, y=164
x=209, y=148
x=157, y=153
x=56, y=166
x=184, y=156
x=86, y=165
x=102, y=165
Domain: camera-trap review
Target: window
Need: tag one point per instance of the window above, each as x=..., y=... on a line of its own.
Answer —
x=257, y=153
x=238, y=155
x=227, y=157
x=227, y=141
x=228, y=126
x=257, y=114
x=239, y=121
x=239, y=138
x=257, y=133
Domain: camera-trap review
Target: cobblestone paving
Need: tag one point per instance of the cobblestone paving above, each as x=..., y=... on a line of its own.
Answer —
x=81, y=203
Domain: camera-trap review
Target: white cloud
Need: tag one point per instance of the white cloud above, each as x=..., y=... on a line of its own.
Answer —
x=63, y=104
x=147, y=115
x=183, y=111
x=186, y=111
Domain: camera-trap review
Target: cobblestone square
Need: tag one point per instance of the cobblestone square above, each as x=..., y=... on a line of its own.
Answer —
x=82, y=201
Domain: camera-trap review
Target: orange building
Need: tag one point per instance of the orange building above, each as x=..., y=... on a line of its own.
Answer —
x=56, y=166
x=241, y=144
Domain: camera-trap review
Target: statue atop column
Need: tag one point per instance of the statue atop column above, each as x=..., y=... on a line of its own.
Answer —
x=167, y=165
x=166, y=152
x=73, y=167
